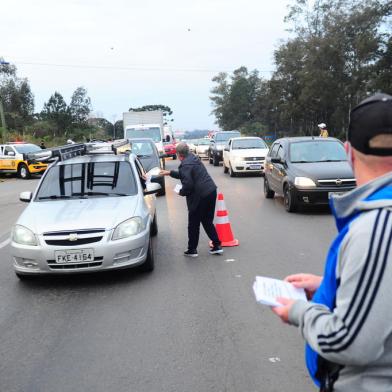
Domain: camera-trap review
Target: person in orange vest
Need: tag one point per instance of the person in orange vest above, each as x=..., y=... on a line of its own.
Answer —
x=323, y=130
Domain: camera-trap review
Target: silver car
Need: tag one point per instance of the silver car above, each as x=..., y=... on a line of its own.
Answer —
x=90, y=213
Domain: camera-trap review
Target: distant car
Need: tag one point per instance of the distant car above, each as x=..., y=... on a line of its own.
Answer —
x=307, y=171
x=13, y=160
x=202, y=146
x=170, y=149
x=191, y=144
x=147, y=152
x=217, y=143
x=91, y=212
x=244, y=155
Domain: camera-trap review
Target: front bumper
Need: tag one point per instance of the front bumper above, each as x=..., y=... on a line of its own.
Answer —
x=108, y=255
x=248, y=167
x=37, y=168
x=317, y=196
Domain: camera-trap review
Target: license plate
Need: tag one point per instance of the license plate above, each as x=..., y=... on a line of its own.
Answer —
x=74, y=256
x=255, y=167
x=335, y=194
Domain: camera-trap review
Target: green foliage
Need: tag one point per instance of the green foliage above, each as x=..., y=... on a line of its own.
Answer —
x=167, y=112
x=80, y=106
x=340, y=52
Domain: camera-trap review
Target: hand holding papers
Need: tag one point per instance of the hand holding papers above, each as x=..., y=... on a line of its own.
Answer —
x=267, y=290
x=177, y=188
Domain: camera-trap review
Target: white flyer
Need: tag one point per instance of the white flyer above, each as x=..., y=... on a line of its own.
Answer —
x=177, y=188
x=267, y=290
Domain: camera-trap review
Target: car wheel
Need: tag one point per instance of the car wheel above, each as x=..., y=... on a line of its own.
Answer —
x=289, y=201
x=174, y=157
x=154, y=226
x=231, y=171
x=210, y=158
x=162, y=191
x=225, y=169
x=148, y=265
x=216, y=161
x=23, y=171
x=268, y=192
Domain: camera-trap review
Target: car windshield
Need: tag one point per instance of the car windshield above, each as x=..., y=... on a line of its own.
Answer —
x=317, y=151
x=203, y=142
x=142, y=148
x=84, y=180
x=26, y=148
x=153, y=133
x=245, y=144
x=225, y=136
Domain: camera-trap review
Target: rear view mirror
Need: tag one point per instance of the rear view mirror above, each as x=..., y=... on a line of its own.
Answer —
x=278, y=160
x=26, y=197
x=227, y=149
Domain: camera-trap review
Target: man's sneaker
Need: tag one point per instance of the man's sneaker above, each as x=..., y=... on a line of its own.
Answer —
x=191, y=253
x=216, y=250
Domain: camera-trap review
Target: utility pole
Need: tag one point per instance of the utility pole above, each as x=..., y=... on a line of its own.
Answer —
x=3, y=124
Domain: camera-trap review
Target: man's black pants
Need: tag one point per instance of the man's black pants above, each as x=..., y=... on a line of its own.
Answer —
x=203, y=214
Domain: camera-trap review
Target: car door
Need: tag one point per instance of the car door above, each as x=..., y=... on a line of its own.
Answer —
x=270, y=166
x=9, y=161
x=226, y=153
x=279, y=171
x=148, y=199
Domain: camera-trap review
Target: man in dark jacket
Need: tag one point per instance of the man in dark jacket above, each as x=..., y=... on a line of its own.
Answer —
x=200, y=192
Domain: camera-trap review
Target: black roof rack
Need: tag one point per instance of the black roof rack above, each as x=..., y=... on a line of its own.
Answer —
x=69, y=151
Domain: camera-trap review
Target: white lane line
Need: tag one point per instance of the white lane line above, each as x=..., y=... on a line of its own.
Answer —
x=5, y=243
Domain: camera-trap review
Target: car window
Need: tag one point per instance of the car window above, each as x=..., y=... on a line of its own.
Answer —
x=317, y=151
x=27, y=148
x=248, y=144
x=142, y=148
x=8, y=149
x=274, y=150
x=224, y=136
x=93, y=179
x=280, y=152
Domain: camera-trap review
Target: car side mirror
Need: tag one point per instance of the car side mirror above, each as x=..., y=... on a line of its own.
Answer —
x=278, y=160
x=168, y=138
x=11, y=154
x=151, y=188
x=227, y=149
x=26, y=197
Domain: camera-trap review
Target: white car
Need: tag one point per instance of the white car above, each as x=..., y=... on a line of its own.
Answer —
x=244, y=155
x=202, y=146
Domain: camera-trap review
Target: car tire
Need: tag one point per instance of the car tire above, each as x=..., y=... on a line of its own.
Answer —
x=289, y=202
x=174, y=157
x=232, y=173
x=154, y=226
x=268, y=192
x=215, y=160
x=210, y=158
x=225, y=169
x=23, y=172
x=162, y=191
x=149, y=264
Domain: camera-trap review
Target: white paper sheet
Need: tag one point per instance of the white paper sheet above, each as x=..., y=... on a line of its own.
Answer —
x=177, y=188
x=267, y=290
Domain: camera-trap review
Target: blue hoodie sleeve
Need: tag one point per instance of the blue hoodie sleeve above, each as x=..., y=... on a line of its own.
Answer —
x=186, y=180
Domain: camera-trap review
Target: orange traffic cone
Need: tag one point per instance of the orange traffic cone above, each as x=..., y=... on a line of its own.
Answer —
x=222, y=224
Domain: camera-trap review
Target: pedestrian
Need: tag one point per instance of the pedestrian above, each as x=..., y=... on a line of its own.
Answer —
x=323, y=130
x=42, y=145
x=200, y=192
x=348, y=323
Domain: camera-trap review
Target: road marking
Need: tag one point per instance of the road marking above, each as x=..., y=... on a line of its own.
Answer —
x=229, y=260
x=5, y=243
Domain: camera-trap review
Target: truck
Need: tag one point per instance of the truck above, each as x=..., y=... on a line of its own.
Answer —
x=145, y=124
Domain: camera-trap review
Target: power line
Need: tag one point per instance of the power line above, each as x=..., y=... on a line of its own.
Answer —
x=130, y=68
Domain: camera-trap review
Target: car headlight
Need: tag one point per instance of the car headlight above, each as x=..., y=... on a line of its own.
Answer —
x=24, y=236
x=237, y=159
x=128, y=228
x=304, y=182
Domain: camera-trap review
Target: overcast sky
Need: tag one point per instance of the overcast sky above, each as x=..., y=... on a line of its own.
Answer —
x=130, y=53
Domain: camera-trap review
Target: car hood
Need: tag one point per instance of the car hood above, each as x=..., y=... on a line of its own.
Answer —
x=78, y=214
x=251, y=152
x=323, y=170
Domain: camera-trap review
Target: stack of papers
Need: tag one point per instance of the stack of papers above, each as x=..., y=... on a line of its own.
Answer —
x=267, y=290
x=177, y=188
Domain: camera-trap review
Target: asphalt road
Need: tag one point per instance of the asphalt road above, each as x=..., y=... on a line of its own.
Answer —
x=191, y=326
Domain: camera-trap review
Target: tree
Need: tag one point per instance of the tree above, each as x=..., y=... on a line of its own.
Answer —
x=80, y=106
x=167, y=112
x=57, y=112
